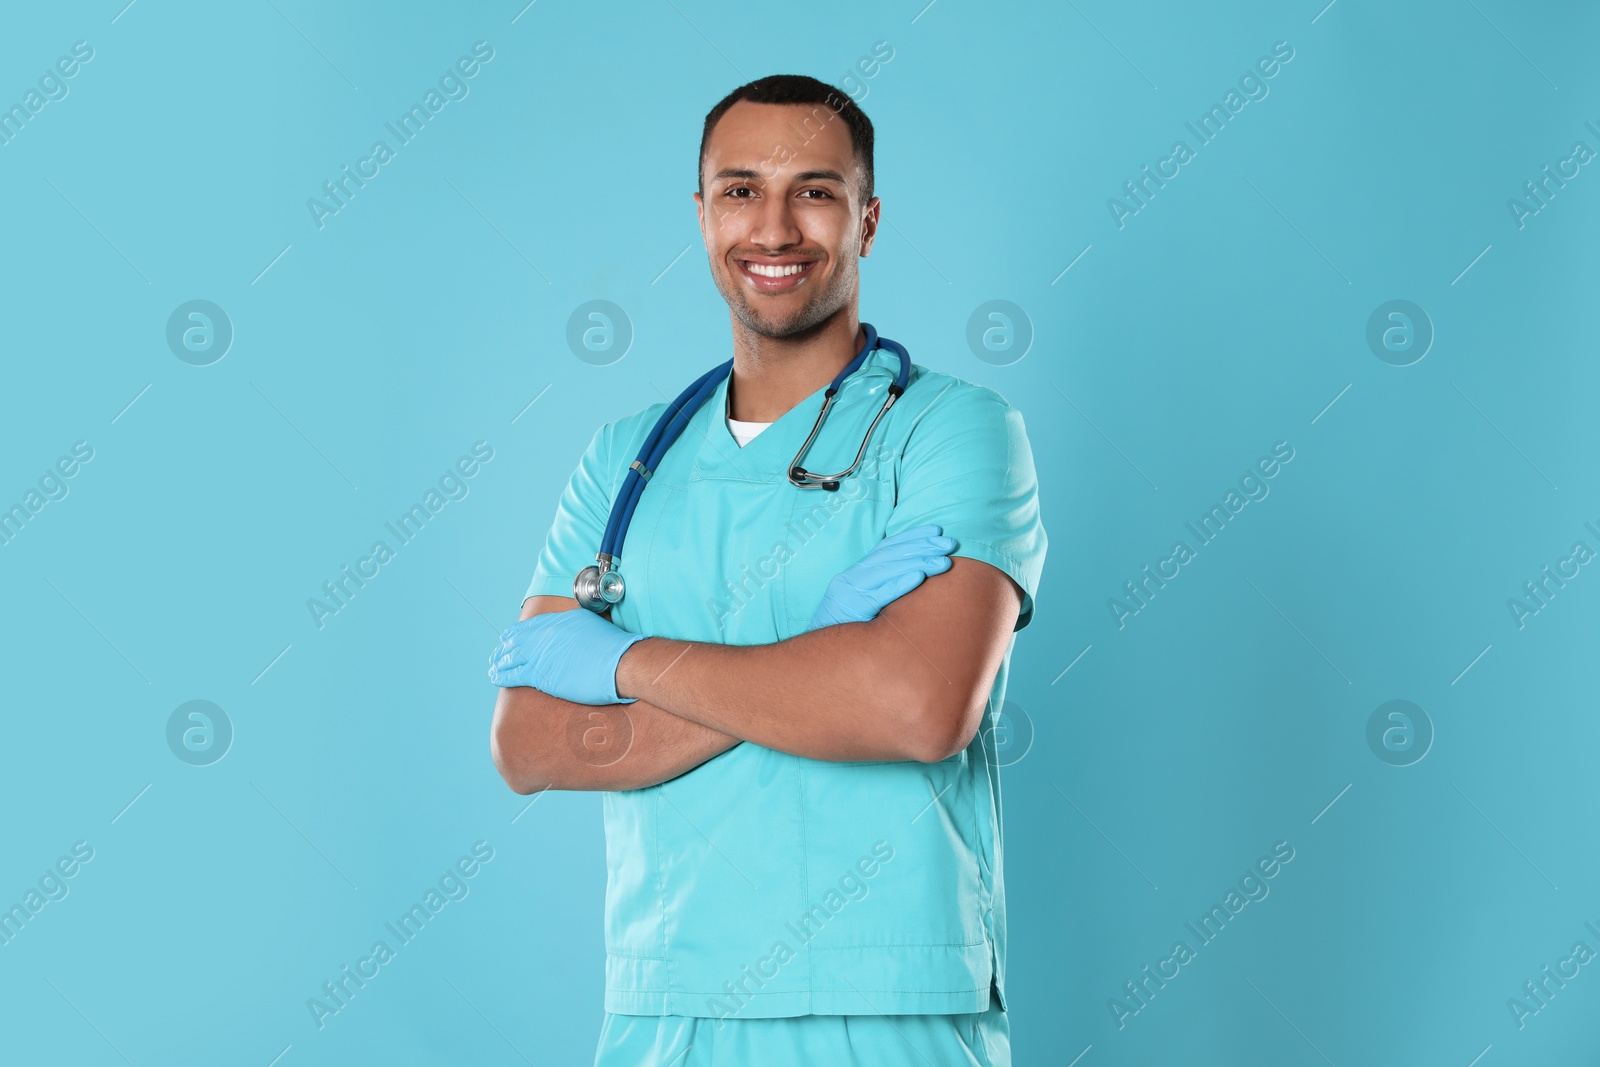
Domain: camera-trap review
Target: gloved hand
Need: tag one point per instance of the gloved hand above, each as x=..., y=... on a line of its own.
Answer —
x=568, y=654
x=892, y=569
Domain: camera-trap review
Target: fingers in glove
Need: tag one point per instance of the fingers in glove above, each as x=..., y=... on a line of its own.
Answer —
x=879, y=589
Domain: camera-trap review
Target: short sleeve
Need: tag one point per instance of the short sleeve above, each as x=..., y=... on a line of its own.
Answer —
x=580, y=522
x=968, y=467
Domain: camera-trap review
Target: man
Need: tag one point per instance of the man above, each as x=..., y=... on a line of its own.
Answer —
x=802, y=806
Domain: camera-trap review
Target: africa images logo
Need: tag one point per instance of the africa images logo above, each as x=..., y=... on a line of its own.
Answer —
x=852, y=885
x=1253, y=86
x=1252, y=887
x=452, y=86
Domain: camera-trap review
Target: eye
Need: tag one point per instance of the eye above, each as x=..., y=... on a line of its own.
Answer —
x=734, y=189
x=824, y=192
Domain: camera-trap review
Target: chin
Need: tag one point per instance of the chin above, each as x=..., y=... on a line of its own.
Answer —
x=808, y=317
x=790, y=326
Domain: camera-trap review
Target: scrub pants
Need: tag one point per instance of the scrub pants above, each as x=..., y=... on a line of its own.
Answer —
x=977, y=1040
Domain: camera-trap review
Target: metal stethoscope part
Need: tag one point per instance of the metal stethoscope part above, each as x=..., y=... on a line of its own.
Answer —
x=599, y=585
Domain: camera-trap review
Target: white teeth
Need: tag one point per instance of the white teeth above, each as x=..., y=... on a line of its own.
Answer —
x=775, y=272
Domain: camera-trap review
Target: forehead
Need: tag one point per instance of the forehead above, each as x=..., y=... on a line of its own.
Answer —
x=775, y=140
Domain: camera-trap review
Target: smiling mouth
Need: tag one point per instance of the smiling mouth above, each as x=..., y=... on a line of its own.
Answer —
x=770, y=277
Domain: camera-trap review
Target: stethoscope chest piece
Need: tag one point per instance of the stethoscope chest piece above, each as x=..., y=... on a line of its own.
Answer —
x=597, y=590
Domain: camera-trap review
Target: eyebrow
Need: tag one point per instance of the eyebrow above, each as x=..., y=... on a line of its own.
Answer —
x=747, y=174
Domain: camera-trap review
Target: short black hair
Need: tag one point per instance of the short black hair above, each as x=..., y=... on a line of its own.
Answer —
x=798, y=89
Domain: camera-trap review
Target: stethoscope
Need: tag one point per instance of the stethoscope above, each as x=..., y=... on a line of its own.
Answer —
x=599, y=585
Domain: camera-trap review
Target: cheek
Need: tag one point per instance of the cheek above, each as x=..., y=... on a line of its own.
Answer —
x=825, y=237
x=724, y=234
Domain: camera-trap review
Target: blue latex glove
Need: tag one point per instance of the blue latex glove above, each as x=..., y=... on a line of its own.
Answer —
x=568, y=654
x=892, y=569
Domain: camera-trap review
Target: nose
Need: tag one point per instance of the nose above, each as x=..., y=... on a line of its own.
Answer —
x=774, y=224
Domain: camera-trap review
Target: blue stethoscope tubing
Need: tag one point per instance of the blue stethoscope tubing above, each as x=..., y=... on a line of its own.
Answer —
x=666, y=431
x=597, y=586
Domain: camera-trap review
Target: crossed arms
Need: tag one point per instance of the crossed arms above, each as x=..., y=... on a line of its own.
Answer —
x=912, y=684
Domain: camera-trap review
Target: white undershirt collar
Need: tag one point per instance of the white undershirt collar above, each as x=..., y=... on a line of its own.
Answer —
x=743, y=432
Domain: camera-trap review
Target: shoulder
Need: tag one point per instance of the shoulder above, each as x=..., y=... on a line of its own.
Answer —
x=940, y=403
x=599, y=463
x=932, y=388
x=627, y=433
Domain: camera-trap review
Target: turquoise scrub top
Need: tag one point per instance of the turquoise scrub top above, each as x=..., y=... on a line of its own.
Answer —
x=762, y=884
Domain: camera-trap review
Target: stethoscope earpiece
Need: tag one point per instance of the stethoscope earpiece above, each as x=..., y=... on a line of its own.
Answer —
x=803, y=478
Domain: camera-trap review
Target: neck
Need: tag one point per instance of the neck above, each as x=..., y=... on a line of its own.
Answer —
x=773, y=374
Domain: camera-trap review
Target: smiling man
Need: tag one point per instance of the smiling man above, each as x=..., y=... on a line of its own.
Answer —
x=791, y=726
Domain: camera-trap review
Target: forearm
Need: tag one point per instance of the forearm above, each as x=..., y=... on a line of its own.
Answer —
x=543, y=742
x=856, y=691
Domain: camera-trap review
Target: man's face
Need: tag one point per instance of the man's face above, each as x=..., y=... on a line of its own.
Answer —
x=782, y=195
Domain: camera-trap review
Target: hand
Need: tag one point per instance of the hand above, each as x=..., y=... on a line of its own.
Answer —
x=568, y=654
x=891, y=570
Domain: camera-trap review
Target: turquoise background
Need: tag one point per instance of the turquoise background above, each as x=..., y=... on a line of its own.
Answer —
x=1230, y=313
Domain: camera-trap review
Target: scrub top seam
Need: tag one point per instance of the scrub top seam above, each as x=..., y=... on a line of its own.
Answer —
x=899, y=992
x=647, y=615
x=965, y=770
x=783, y=586
x=991, y=769
x=805, y=869
x=661, y=876
x=986, y=885
x=994, y=881
x=969, y=772
x=997, y=550
x=900, y=944
x=702, y=476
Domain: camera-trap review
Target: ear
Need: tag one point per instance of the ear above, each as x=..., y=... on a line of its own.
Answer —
x=869, y=225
